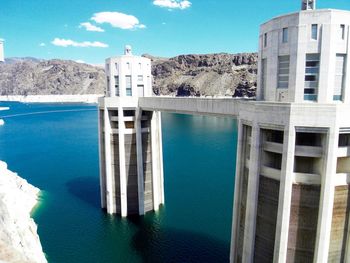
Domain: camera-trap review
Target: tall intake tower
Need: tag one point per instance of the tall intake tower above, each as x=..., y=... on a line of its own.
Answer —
x=292, y=197
x=131, y=166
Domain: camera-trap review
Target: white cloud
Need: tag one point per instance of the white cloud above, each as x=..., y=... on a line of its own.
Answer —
x=173, y=4
x=67, y=42
x=42, y=45
x=90, y=27
x=119, y=20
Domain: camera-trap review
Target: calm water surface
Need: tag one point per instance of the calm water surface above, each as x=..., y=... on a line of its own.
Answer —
x=57, y=151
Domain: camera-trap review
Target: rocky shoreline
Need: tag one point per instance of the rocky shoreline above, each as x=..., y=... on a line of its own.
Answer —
x=84, y=98
x=19, y=241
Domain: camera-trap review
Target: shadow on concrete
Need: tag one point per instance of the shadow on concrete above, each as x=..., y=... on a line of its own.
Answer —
x=158, y=244
x=87, y=189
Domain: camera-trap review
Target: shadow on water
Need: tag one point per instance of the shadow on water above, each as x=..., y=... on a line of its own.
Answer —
x=158, y=244
x=86, y=188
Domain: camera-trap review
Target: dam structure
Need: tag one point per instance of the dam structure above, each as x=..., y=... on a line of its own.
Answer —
x=292, y=193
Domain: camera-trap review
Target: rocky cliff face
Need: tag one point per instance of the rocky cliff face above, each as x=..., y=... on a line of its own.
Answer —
x=19, y=241
x=206, y=75
x=186, y=75
x=28, y=76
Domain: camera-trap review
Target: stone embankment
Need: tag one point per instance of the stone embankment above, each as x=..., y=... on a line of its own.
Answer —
x=19, y=241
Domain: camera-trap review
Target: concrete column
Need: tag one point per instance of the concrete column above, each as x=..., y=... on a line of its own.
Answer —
x=155, y=160
x=252, y=196
x=285, y=196
x=347, y=249
x=161, y=167
x=237, y=193
x=325, y=213
x=140, y=172
x=259, y=91
x=347, y=71
x=111, y=82
x=327, y=66
x=110, y=199
x=299, y=76
x=122, y=169
x=101, y=153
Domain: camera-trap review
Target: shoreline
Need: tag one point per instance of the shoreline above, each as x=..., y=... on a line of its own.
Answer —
x=19, y=240
x=85, y=98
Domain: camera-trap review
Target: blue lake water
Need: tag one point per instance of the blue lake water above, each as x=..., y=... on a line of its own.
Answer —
x=57, y=151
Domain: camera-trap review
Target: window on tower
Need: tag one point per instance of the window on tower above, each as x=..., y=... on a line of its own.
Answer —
x=285, y=35
x=312, y=68
x=283, y=72
x=116, y=85
x=265, y=40
x=314, y=31
x=339, y=77
x=342, y=32
x=128, y=85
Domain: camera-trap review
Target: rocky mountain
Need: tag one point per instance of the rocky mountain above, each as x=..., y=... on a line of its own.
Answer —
x=28, y=76
x=185, y=75
x=205, y=75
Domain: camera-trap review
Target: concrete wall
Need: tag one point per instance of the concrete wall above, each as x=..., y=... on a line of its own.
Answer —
x=303, y=223
x=340, y=224
x=266, y=219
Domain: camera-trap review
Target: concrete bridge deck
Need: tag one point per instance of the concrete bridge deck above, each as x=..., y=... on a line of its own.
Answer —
x=201, y=106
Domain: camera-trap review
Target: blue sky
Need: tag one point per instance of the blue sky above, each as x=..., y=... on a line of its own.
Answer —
x=58, y=28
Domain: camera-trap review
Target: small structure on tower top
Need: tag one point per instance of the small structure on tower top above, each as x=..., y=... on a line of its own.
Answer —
x=308, y=4
x=127, y=50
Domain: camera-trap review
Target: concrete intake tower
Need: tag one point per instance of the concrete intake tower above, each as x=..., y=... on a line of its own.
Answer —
x=131, y=161
x=292, y=184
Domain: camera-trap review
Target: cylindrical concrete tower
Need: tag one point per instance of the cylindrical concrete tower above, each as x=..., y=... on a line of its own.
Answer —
x=292, y=187
x=131, y=167
x=2, y=58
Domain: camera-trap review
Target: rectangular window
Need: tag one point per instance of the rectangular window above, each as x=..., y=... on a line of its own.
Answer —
x=339, y=77
x=285, y=35
x=108, y=87
x=342, y=31
x=116, y=66
x=128, y=85
x=116, y=85
x=312, y=68
x=140, y=66
x=107, y=67
x=141, y=91
x=283, y=72
x=265, y=40
x=314, y=31
x=128, y=65
x=140, y=78
x=263, y=77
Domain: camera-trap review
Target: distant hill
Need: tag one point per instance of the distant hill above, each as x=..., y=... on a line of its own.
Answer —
x=185, y=75
x=29, y=76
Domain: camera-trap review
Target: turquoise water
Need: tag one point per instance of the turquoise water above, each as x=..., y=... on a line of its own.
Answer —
x=57, y=151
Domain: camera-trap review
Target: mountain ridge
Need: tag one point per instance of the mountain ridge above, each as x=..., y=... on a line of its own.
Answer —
x=219, y=74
